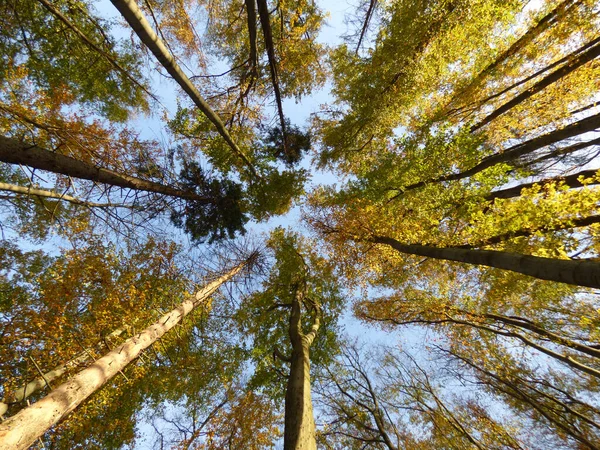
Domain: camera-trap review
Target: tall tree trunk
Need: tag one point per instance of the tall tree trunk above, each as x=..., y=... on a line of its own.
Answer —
x=252, y=35
x=57, y=196
x=265, y=23
x=579, y=60
x=299, y=431
x=13, y=151
x=572, y=181
x=532, y=33
x=21, y=430
x=575, y=129
x=580, y=273
x=43, y=380
x=132, y=14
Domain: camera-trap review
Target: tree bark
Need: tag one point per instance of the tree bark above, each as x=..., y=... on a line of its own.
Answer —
x=265, y=22
x=40, y=382
x=56, y=195
x=13, y=151
x=21, y=430
x=579, y=273
x=579, y=60
x=572, y=181
x=516, y=151
x=531, y=34
x=132, y=14
x=299, y=433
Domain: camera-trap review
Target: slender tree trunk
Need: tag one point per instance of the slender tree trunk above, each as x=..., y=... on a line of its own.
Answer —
x=21, y=430
x=579, y=273
x=132, y=14
x=568, y=224
x=575, y=129
x=572, y=181
x=579, y=60
x=544, y=23
x=56, y=195
x=265, y=22
x=299, y=431
x=252, y=34
x=111, y=59
x=40, y=382
x=13, y=151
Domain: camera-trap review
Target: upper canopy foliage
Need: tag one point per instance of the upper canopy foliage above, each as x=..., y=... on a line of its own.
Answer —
x=463, y=135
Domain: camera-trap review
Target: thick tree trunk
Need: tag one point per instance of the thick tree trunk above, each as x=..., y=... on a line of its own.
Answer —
x=13, y=151
x=299, y=420
x=580, y=273
x=299, y=431
x=132, y=14
x=21, y=430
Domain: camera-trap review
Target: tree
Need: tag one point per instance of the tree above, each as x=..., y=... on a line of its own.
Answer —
x=304, y=284
x=19, y=431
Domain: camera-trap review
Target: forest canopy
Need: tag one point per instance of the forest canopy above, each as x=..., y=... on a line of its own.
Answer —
x=303, y=224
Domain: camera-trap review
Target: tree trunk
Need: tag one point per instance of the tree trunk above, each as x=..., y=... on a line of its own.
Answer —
x=299, y=431
x=132, y=14
x=572, y=181
x=265, y=22
x=579, y=60
x=21, y=430
x=579, y=273
x=575, y=129
x=13, y=151
x=56, y=195
x=531, y=34
x=40, y=382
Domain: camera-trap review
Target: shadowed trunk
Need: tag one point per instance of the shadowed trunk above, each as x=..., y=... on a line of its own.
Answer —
x=581, y=58
x=579, y=273
x=530, y=35
x=265, y=22
x=575, y=129
x=21, y=430
x=572, y=181
x=13, y=151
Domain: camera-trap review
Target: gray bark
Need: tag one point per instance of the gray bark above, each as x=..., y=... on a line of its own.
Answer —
x=22, y=430
x=580, y=273
x=132, y=14
x=13, y=151
x=299, y=433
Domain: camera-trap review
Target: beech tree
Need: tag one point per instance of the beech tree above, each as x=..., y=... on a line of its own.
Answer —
x=464, y=216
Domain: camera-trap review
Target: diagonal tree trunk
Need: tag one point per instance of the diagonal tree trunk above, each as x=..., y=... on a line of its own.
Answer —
x=21, y=430
x=530, y=35
x=572, y=181
x=577, y=61
x=132, y=14
x=40, y=382
x=517, y=151
x=579, y=273
x=13, y=151
x=58, y=196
